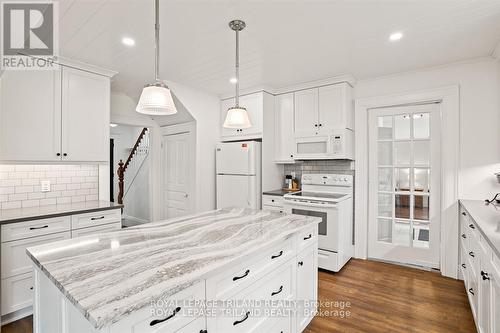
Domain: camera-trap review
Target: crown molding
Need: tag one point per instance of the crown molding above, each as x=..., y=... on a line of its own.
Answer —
x=347, y=78
x=85, y=66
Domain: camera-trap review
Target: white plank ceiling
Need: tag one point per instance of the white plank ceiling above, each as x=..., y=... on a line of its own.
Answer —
x=285, y=42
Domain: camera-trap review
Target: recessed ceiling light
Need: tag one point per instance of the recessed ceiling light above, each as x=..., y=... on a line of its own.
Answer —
x=233, y=80
x=113, y=125
x=128, y=41
x=395, y=36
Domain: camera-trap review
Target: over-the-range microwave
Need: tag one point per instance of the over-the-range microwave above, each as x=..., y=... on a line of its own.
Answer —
x=337, y=144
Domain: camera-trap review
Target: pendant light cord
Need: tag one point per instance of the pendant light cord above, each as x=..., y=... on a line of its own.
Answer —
x=157, y=40
x=237, y=100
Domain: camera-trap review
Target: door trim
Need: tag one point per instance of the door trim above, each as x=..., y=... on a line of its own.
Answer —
x=185, y=128
x=450, y=157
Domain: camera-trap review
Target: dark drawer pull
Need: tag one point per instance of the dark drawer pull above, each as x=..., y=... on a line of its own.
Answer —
x=463, y=213
x=277, y=292
x=463, y=265
x=203, y=331
x=242, y=320
x=463, y=236
x=157, y=321
x=31, y=288
x=96, y=218
x=277, y=256
x=472, y=226
x=36, y=228
x=301, y=263
x=471, y=254
x=471, y=291
x=241, y=277
x=308, y=237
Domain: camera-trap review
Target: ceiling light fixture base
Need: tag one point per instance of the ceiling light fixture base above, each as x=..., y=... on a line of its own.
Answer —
x=237, y=25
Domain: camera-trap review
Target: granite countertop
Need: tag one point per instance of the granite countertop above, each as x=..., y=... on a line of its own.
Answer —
x=42, y=212
x=279, y=192
x=487, y=218
x=110, y=275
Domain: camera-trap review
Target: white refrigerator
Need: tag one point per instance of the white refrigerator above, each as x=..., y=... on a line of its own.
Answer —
x=238, y=166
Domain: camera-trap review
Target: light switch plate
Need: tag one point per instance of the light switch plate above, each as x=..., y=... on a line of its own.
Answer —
x=45, y=185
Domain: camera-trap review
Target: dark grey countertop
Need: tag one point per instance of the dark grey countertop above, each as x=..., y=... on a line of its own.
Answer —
x=487, y=218
x=279, y=192
x=42, y=212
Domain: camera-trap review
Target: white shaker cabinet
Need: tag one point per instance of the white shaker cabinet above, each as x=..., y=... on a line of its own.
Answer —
x=85, y=116
x=306, y=111
x=30, y=115
x=307, y=284
x=284, y=148
x=255, y=104
x=64, y=118
x=321, y=110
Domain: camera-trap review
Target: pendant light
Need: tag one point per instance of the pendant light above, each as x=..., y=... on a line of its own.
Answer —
x=156, y=98
x=237, y=116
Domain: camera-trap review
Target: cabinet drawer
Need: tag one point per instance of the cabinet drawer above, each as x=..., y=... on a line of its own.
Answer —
x=96, y=218
x=197, y=326
x=17, y=292
x=20, y=230
x=307, y=237
x=231, y=281
x=99, y=229
x=272, y=200
x=474, y=255
x=273, y=208
x=15, y=261
x=242, y=319
x=176, y=312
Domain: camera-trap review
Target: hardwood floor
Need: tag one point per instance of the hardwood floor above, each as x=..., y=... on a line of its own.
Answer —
x=383, y=298
x=390, y=298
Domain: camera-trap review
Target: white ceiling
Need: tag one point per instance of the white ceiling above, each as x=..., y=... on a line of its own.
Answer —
x=285, y=42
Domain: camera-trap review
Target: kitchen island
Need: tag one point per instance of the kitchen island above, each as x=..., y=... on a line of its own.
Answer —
x=232, y=270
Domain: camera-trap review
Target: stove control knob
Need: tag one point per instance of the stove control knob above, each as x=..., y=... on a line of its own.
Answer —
x=345, y=179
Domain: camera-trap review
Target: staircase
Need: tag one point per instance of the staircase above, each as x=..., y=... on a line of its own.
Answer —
x=127, y=172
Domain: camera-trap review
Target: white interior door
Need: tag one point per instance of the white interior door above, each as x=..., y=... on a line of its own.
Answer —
x=404, y=184
x=177, y=174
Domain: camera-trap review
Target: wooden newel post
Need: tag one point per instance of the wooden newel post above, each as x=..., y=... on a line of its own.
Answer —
x=120, y=173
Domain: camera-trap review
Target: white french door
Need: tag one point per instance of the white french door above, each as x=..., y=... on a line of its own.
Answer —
x=404, y=184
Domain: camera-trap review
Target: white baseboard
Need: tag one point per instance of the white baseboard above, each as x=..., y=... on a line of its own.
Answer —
x=134, y=219
x=16, y=315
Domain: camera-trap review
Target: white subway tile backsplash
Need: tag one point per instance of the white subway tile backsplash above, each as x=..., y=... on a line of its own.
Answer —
x=11, y=204
x=20, y=184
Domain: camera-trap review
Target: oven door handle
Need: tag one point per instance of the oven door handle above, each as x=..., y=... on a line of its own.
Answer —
x=309, y=204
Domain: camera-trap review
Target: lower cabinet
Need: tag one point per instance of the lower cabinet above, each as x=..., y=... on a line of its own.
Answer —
x=16, y=268
x=480, y=268
x=307, y=285
x=197, y=326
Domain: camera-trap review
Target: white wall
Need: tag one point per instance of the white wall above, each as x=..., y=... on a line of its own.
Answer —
x=479, y=83
x=204, y=108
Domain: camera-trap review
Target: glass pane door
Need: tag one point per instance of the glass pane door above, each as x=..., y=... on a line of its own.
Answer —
x=401, y=170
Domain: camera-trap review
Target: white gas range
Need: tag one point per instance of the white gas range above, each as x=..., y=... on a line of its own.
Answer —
x=327, y=196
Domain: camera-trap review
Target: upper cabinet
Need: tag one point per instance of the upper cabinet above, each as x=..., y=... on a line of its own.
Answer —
x=323, y=109
x=254, y=103
x=64, y=118
x=284, y=123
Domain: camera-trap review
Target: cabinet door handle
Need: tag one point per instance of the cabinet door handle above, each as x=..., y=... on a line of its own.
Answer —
x=471, y=254
x=315, y=125
x=277, y=256
x=301, y=263
x=157, y=321
x=242, y=320
x=277, y=292
x=36, y=228
x=203, y=331
x=242, y=276
x=272, y=200
x=96, y=218
x=65, y=154
x=471, y=291
x=320, y=125
x=58, y=154
x=463, y=265
x=31, y=288
x=472, y=226
x=291, y=156
x=485, y=276
x=463, y=213
x=463, y=236
x=308, y=237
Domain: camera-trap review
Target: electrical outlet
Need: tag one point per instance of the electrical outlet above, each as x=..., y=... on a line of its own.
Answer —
x=45, y=185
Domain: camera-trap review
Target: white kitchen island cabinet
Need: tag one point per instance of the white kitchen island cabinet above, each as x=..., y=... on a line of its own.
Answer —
x=232, y=270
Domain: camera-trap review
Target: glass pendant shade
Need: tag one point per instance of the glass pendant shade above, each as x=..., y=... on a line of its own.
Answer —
x=156, y=100
x=237, y=117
